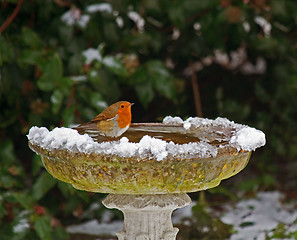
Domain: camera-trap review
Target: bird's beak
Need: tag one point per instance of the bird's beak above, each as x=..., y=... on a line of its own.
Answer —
x=131, y=104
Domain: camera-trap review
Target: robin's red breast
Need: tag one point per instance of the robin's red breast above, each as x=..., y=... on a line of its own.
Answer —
x=114, y=120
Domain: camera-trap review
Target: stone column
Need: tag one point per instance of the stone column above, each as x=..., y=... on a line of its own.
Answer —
x=147, y=217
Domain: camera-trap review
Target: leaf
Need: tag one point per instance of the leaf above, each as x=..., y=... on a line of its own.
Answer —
x=43, y=227
x=195, y=6
x=2, y=207
x=139, y=41
x=44, y=183
x=153, y=74
x=103, y=81
x=32, y=57
x=6, y=50
x=115, y=66
x=24, y=199
x=7, y=153
x=36, y=164
x=94, y=76
x=75, y=62
x=52, y=72
x=97, y=101
x=176, y=13
x=158, y=68
x=223, y=191
x=266, y=45
x=60, y=233
x=30, y=38
x=56, y=100
x=101, y=48
x=140, y=76
x=66, y=189
x=166, y=87
x=110, y=31
x=162, y=79
x=68, y=115
x=65, y=85
x=246, y=224
x=145, y=93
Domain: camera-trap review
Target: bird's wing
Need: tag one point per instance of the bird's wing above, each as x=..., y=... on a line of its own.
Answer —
x=93, y=122
x=114, y=118
x=103, y=117
x=99, y=118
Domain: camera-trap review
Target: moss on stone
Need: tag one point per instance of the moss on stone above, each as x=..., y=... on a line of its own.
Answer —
x=114, y=174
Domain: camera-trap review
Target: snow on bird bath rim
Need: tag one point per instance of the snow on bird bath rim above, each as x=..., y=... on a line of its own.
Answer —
x=148, y=147
x=245, y=138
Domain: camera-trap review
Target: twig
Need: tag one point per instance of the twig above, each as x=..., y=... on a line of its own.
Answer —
x=12, y=16
x=70, y=99
x=196, y=91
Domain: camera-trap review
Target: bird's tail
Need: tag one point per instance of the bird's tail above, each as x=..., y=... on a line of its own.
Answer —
x=90, y=128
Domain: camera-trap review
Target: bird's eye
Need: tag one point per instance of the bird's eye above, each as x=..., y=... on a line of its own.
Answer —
x=122, y=106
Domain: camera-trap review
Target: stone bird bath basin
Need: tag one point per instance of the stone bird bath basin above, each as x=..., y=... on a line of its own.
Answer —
x=152, y=166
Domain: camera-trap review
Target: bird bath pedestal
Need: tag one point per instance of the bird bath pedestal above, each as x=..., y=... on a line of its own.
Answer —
x=147, y=216
x=148, y=172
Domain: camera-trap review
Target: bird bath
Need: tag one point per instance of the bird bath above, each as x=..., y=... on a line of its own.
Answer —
x=148, y=172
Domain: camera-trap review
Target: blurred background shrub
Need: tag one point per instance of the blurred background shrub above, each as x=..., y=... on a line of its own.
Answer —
x=62, y=62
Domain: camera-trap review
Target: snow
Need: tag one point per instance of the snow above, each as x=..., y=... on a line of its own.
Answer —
x=181, y=215
x=137, y=19
x=248, y=139
x=246, y=26
x=203, y=122
x=110, y=61
x=150, y=147
x=22, y=223
x=258, y=68
x=93, y=227
x=263, y=214
x=156, y=146
x=198, y=122
x=120, y=21
x=197, y=26
x=244, y=137
x=74, y=16
x=79, y=78
x=21, y=226
x=99, y=7
x=199, y=149
x=92, y=54
x=264, y=24
x=172, y=120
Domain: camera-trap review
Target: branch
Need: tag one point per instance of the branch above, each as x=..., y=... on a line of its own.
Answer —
x=70, y=100
x=196, y=91
x=71, y=97
x=12, y=16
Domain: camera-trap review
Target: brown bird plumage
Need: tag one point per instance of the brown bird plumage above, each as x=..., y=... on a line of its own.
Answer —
x=112, y=121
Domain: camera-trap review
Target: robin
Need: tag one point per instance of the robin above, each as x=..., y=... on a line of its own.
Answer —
x=112, y=121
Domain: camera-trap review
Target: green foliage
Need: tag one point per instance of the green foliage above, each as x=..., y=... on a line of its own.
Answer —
x=46, y=80
x=204, y=226
x=281, y=232
x=264, y=181
x=153, y=77
x=43, y=228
